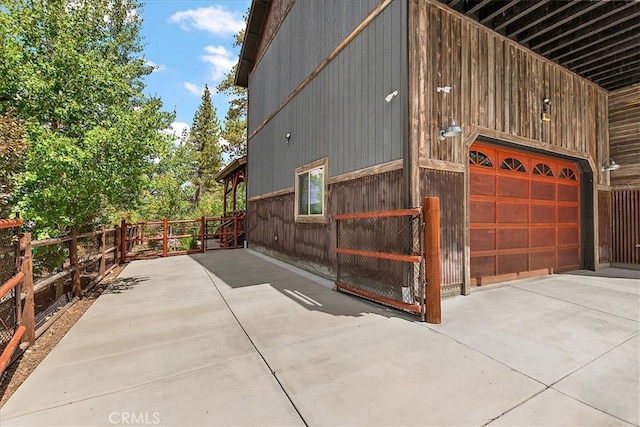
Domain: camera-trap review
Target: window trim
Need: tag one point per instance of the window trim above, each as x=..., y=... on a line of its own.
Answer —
x=311, y=218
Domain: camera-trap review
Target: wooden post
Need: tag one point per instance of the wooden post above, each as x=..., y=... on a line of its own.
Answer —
x=28, y=311
x=235, y=231
x=165, y=237
x=123, y=241
x=431, y=212
x=203, y=233
x=73, y=257
x=103, y=249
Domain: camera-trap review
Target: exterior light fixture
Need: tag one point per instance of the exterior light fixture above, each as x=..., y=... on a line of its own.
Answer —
x=287, y=137
x=609, y=165
x=452, y=130
x=389, y=97
x=546, y=107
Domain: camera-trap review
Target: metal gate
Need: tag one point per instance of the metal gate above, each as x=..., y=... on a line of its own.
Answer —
x=380, y=258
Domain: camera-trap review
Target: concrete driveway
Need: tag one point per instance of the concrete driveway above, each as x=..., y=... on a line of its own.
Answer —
x=232, y=338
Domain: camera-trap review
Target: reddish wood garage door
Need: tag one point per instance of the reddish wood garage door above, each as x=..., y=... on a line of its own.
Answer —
x=525, y=214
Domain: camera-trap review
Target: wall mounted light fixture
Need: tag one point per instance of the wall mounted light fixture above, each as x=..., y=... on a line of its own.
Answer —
x=546, y=110
x=609, y=165
x=287, y=137
x=450, y=131
x=389, y=97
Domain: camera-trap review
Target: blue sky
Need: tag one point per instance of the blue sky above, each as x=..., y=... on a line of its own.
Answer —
x=191, y=44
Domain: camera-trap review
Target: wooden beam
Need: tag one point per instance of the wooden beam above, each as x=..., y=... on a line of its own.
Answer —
x=433, y=303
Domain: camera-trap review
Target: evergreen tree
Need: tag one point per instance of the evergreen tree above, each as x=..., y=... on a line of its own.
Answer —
x=204, y=141
x=235, y=126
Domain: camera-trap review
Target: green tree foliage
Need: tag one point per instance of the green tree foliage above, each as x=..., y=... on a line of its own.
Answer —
x=73, y=71
x=12, y=147
x=235, y=127
x=204, y=141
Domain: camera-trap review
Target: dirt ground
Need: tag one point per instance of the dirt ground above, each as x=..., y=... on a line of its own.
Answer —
x=18, y=372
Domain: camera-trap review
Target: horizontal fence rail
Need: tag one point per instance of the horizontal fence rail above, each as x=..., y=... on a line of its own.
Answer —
x=380, y=258
x=150, y=239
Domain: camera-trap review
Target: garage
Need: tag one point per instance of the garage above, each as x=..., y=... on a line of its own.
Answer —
x=524, y=214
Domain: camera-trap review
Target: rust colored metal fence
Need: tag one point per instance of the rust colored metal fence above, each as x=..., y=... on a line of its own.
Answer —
x=380, y=257
x=16, y=315
x=150, y=239
x=392, y=258
x=625, y=230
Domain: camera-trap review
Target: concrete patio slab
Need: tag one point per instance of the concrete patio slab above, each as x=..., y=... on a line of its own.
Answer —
x=543, y=337
x=610, y=383
x=551, y=408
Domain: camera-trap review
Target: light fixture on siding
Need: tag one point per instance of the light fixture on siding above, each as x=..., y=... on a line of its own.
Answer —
x=390, y=96
x=287, y=137
x=609, y=165
x=546, y=107
x=452, y=130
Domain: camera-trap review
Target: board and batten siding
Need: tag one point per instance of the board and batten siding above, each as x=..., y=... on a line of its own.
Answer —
x=271, y=225
x=624, y=135
x=310, y=31
x=498, y=86
x=341, y=113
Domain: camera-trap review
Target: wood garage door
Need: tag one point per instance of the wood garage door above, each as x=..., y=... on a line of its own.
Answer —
x=524, y=214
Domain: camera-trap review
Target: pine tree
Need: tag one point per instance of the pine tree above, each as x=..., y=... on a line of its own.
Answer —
x=204, y=142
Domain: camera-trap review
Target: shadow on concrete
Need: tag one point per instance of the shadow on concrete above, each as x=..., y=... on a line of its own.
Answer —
x=239, y=269
x=609, y=272
x=123, y=284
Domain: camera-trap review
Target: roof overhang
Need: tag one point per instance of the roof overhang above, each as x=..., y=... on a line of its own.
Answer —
x=231, y=169
x=598, y=39
x=257, y=16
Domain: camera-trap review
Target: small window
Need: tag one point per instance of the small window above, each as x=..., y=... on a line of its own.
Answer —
x=567, y=173
x=542, y=169
x=480, y=159
x=512, y=164
x=310, y=192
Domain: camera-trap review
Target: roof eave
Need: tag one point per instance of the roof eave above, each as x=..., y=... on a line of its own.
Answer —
x=257, y=15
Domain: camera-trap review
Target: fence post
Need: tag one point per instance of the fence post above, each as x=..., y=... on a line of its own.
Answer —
x=28, y=311
x=431, y=211
x=235, y=231
x=123, y=241
x=203, y=242
x=73, y=257
x=165, y=237
x=103, y=248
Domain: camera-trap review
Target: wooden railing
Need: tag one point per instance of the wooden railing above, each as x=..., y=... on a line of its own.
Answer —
x=150, y=239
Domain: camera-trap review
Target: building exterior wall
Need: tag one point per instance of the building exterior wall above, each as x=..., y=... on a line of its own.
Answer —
x=326, y=85
x=624, y=135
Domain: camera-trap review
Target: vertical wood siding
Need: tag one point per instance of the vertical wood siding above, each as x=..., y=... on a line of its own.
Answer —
x=497, y=85
x=341, y=114
x=625, y=206
x=449, y=187
x=604, y=226
x=310, y=31
x=624, y=135
x=275, y=15
x=274, y=216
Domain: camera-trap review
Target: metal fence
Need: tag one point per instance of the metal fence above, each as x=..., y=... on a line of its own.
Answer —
x=380, y=257
x=8, y=253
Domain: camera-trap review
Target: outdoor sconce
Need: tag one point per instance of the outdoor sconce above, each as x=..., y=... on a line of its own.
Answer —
x=287, y=137
x=546, y=106
x=390, y=96
x=452, y=130
x=609, y=165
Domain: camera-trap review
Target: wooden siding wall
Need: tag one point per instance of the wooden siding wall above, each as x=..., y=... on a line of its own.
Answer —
x=310, y=31
x=315, y=243
x=604, y=226
x=497, y=85
x=624, y=135
x=449, y=187
x=275, y=16
x=341, y=114
x=625, y=206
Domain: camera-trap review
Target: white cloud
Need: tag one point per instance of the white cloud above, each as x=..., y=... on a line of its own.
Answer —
x=221, y=61
x=214, y=19
x=193, y=88
x=156, y=67
x=175, y=131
